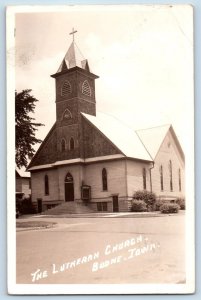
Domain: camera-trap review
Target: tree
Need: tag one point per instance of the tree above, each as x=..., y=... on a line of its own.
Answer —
x=25, y=128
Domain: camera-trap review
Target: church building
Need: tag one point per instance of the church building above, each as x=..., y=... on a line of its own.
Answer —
x=90, y=159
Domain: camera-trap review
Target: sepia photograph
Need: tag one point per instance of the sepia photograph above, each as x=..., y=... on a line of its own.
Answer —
x=101, y=160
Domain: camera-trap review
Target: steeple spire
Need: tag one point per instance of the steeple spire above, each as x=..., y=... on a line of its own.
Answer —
x=73, y=57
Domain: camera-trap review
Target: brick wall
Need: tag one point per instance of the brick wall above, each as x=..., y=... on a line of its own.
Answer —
x=68, y=132
x=71, y=77
x=86, y=107
x=81, y=77
x=48, y=152
x=66, y=128
x=124, y=204
x=95, y=143
x=85, y=103
x=93, y=205
x=72, y=106
x=51, y=148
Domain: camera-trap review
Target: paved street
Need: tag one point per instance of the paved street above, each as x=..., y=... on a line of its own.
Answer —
x=103, y=250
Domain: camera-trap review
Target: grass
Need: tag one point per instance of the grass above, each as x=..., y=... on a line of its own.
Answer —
x=36, y=224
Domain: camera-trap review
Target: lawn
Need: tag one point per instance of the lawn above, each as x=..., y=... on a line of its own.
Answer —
x=35, y=224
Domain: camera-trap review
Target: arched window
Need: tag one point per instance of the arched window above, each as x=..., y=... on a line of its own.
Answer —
x=144, y=178
x=170, y=170
x=69, y=177
x=67, y=115
x=72, y=144
x=86, y=90
x=66, y=88
x=104, y=179
x=161, y=177
x=63, y=145
x=179, y=180
x=46, y=179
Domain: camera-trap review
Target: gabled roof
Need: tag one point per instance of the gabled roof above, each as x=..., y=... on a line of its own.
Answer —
x=41, y=146
x=153, y=137
x=73, y=58
x=123, y=137
x=22, y=172
x=141, y=144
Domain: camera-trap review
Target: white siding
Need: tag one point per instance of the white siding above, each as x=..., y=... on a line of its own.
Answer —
x=77, y=173
x=25, y=186
x=38, y=185
x=124, y=177
x=115, y=176
x=168, y=151
x=135, y=176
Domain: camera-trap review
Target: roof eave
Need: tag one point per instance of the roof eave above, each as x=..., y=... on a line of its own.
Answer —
x=140, y=159
x=177, y=143
x=76, y=68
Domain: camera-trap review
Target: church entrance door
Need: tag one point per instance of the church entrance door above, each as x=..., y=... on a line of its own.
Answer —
x=40, y=205
x=69, y=188
x=115, y=203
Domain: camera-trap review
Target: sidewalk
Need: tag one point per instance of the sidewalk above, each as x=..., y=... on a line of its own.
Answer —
x=109, y=215
x=39, y=218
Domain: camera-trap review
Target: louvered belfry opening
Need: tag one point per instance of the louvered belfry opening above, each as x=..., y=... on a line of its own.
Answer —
x=86, y=90
x=66, y=88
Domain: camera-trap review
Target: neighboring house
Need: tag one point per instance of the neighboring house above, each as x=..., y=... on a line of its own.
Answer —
x=23, y=183
x=93, y=157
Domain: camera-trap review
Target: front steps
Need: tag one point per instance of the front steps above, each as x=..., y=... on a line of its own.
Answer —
x=71, y=207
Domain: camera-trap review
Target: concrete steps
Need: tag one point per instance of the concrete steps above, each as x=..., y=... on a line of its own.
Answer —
x=68, y=208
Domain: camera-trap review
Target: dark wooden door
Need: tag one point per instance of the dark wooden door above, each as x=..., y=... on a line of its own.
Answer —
x=40, y=205
x=69, y=191
x=115, y=203
x=69, y=188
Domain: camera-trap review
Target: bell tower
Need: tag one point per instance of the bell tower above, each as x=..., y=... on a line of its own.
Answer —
x=75, y=87
x=75, y=93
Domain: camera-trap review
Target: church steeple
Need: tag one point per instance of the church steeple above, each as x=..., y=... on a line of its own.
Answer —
x=75, y=94
x=75, y=87
x=73, y=57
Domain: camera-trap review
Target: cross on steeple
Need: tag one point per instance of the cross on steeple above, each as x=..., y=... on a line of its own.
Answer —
x=73, y=32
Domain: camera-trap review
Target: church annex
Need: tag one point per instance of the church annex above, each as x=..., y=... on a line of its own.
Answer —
x=92, y=159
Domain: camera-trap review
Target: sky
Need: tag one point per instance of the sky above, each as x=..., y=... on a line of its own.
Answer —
x=142, y=54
